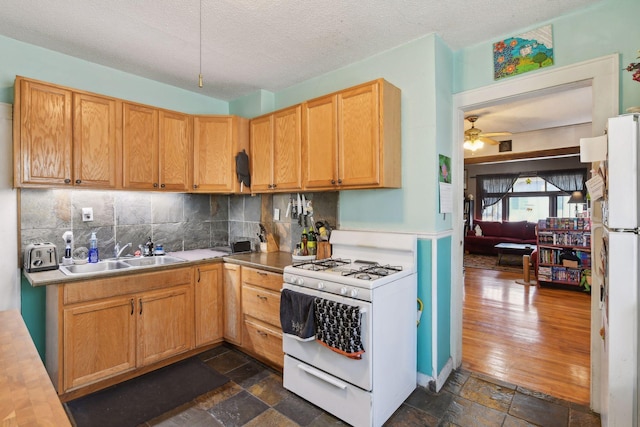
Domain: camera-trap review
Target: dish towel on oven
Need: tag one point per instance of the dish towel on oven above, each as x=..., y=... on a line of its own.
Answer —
x=296, y=315
x=338, y=327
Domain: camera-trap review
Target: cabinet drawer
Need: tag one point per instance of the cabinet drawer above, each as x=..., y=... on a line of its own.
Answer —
x=261, y=278
x=262, y=304
x=263, y=341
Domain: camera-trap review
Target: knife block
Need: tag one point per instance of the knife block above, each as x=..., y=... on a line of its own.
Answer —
x=324, y=250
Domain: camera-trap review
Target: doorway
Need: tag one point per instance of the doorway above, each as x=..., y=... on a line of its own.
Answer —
x=602, y=74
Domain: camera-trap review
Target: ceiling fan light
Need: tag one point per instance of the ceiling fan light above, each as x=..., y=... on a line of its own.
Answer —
x=473, y=145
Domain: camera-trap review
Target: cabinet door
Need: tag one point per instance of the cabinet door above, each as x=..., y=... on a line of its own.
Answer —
x=96, y=141
x=99, y=340
x=140, y=147
x=232, y=304
x=213, y=154
x=320, y=143
x=287, y=148
x=208, y=303
x=45, y=135
x=174, y=151
x=165, y=323
x=261, y=163
x=359, y=136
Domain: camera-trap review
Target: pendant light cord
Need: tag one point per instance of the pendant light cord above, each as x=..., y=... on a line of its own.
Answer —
x=200, y=74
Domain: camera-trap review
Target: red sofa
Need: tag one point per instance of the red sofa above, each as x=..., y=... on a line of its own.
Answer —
x=494, y=232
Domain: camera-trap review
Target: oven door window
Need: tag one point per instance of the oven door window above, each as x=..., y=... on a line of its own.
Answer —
x=354, y=371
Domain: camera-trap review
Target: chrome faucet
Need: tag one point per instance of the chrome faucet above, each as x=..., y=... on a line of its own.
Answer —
x=117, y=251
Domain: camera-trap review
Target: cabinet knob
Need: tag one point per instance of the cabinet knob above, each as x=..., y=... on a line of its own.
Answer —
x=274, y=186
x=339, y=181
x=78, y=181
x=67, y=181
x=333, y=182
x=195, y=185
x=162, y=186
x=155, y=185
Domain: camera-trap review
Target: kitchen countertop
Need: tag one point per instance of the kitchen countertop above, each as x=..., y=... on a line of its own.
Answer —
x=272, y=261
x=26, y=394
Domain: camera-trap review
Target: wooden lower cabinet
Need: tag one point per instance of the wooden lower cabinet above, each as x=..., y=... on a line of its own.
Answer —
x=99, y=340
x=102, y=328
x=232, y=310
x=262, y=335
x=165, y=324
x=208, y=283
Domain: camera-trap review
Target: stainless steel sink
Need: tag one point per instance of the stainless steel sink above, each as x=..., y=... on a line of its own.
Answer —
x=155, y=260
x=90, y=268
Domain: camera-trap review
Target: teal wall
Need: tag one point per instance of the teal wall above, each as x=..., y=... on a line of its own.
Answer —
x=33, y=307
x=443, y=327
x=608, y=27
x=31, y=61
x=425, y=284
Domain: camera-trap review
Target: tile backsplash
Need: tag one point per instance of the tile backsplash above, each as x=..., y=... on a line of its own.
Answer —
x=179, y=221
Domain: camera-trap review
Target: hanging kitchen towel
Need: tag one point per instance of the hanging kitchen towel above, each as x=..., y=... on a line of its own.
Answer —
x=297, y=315
x=242, y=168
x=338, y=327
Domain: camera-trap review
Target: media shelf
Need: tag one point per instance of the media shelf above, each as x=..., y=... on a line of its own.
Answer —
x=564, y=250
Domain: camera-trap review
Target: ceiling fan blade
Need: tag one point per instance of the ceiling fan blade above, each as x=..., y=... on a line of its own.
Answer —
x=489, y=140
x=491, y=134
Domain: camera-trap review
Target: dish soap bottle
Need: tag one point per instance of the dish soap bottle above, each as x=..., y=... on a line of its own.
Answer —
x=93, y=248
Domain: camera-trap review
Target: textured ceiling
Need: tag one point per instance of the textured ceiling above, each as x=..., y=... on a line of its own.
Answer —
x=257, y=44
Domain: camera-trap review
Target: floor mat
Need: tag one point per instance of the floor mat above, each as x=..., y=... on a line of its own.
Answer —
x=509, y=262
x=144, y=398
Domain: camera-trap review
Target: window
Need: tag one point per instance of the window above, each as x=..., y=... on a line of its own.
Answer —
x=530, y=199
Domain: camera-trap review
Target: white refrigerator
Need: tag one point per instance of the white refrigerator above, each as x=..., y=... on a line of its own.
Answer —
x=619, y=267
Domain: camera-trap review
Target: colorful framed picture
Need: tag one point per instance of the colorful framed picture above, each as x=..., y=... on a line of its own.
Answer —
x=444, y=169
x=523, y=53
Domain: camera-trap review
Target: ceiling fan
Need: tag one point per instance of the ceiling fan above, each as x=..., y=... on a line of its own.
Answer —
x=475, y=139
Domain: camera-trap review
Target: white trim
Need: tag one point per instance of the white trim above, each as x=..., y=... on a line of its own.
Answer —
x=434, y=310
x=603, y=74
x=424, y=380
x=441, y=379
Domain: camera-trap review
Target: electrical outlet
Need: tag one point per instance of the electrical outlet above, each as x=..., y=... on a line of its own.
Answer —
x=87, y=214
x=276, y=214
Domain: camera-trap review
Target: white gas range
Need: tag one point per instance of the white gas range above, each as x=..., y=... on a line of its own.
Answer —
x=375, y=272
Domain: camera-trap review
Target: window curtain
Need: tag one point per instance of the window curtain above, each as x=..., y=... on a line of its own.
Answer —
x=567, y=181
x=494, y=187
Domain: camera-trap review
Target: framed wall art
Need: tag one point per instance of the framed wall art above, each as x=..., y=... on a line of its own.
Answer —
x=523, y=53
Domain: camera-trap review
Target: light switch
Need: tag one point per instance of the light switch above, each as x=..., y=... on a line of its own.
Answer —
x=276, y=214
x=87, y=214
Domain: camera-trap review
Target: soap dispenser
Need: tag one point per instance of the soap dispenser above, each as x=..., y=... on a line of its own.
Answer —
x=93, y=248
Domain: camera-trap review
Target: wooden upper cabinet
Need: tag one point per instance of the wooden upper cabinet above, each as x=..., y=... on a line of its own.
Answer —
x=320, y=147
x=42, y=134
x=352, y=138
x=97, y=151
x=261, y=157
x=216, y=142
x=174, y=151
x=276, y=148
x=140, y=147
x=156, y=149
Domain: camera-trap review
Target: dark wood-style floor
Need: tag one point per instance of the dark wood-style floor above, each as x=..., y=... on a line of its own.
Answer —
x=534, y=337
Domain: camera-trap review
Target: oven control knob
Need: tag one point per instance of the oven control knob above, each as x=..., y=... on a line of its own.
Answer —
x=290, y=279
x=343, y=291
x=300, y=281
x=354, y=293
x=320, y=285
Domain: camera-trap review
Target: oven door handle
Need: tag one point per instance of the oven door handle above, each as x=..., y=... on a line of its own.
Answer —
x=322, y=376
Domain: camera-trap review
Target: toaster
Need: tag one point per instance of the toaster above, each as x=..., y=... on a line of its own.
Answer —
x=40, y=257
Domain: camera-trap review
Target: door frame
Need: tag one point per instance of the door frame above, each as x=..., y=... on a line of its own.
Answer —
x=603, y=75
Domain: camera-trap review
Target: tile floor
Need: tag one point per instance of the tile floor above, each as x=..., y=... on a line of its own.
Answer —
x=255, y=397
